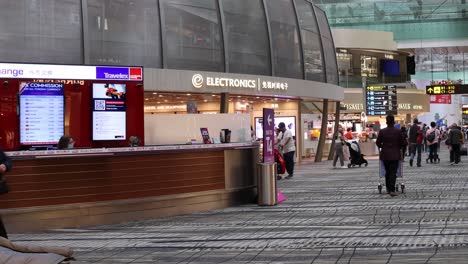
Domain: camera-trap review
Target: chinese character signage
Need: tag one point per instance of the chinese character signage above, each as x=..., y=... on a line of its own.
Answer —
x=268, y=135
x=70, y=72
x=447, y=89
x=381, y=100
x=441, y=99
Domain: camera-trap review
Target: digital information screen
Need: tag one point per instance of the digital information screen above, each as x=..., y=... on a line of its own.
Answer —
x=447, y=89
x=381, y=100
x=109, y=111
x=41, y=113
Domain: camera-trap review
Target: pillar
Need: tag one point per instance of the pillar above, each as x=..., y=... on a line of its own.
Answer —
x=224, y=107
x=323, y=132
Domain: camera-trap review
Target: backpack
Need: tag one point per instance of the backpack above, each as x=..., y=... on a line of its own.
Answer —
x=431, y=136
x=419, y=136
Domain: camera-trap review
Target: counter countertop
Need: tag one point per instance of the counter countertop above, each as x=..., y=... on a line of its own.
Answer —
x=127, y=150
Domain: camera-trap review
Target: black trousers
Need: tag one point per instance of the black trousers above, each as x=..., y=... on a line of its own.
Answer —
x=391, y=167
x=3, y=232
x=455, y=153
x=289, y=160
x=433, y=152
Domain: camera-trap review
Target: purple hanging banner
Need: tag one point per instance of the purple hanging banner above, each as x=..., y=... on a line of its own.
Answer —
x=268, y=135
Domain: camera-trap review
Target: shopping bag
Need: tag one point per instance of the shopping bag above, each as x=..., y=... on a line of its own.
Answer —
x=399, y=170
x=346, y=154
x=281, y=197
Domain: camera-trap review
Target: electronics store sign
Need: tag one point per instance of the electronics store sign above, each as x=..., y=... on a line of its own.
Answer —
x=70, y=72
x=199, y=81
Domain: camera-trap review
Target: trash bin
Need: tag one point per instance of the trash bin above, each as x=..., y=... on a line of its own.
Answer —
x=266, y=184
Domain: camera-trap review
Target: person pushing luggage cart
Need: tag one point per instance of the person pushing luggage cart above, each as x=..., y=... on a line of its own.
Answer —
x=389, y=141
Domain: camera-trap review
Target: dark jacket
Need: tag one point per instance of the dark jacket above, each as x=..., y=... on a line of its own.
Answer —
x=455, y=136
x=413, y=133
x=390, y=142
x=405, y=138
x=4, y=159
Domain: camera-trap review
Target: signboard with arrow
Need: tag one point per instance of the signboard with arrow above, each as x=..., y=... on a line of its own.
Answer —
x=447, y=89
x=268, y=135
x=381, y=100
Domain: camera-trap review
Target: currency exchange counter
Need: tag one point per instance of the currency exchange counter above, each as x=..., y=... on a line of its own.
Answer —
x=83, y=187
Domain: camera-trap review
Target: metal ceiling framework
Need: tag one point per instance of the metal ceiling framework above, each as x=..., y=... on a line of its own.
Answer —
x=355, y=12
x=413, y=21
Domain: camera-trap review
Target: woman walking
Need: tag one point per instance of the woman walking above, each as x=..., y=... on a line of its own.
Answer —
x=339, y=144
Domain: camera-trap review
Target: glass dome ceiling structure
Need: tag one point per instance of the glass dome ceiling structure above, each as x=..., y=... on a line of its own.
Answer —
x=408, y=19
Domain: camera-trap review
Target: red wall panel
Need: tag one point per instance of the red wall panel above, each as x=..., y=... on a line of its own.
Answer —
x=78, y=114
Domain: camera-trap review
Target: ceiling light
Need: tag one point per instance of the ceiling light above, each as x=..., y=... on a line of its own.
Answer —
x=155, y=93
x=160, y=95
x=146, y=99
x=213, y=95
x=158, y=102
x=257, y=97
x=188, y=94
x=205, y=100
x=238, y=96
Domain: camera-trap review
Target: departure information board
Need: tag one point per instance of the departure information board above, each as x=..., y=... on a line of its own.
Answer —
x=381, y=100
x=41, y=113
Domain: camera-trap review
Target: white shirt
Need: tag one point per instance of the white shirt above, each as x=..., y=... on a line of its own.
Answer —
x=289, y=146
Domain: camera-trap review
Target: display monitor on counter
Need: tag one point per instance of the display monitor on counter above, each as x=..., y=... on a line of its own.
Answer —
x=41, y=113
x=390, y=67
x=109, y=111
x=289, y=121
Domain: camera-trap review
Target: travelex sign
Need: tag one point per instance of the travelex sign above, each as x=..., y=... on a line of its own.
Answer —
x=70, y=72
x=199, y=81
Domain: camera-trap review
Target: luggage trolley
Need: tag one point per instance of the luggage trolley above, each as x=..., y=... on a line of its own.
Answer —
x=400, y=183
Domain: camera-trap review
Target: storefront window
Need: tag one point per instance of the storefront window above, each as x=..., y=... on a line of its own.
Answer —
x=124, y=32
x=311, y=42
x=368, y=66
x=345, y=63
x=286, y=55
x=41, y=31
x=192, y=35
x=246, y=36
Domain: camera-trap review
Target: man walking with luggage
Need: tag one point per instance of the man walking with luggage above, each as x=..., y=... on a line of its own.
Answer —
x=415, y=142
x=287, y=144
x=390, y=142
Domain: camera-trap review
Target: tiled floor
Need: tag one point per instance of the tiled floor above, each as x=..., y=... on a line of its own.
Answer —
x=330, y=216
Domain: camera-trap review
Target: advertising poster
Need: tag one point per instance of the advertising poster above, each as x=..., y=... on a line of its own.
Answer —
x=289, y=121
x=109, y=111
x=41, y=113
x=441, y=99
x=205, y=135
x=269, y=135
x=192, y=107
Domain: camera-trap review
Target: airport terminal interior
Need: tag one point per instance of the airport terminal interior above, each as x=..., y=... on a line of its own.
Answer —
x=233, y=131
